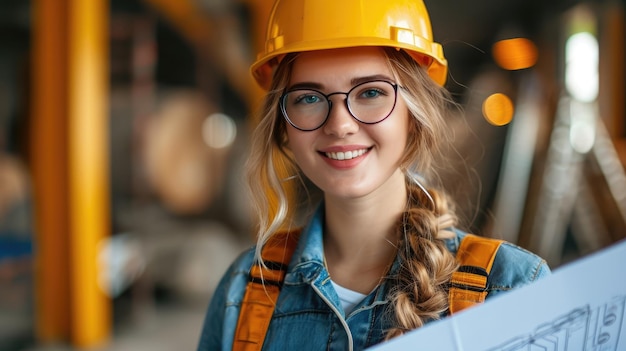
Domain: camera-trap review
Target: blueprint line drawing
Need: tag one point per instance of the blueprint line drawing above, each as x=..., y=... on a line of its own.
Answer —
x=582, y=329
x=580, y=307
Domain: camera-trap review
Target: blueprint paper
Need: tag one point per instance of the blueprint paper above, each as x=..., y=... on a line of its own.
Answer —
x=580, y=307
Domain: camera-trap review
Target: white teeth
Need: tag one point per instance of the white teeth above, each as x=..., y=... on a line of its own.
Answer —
x=348, y=155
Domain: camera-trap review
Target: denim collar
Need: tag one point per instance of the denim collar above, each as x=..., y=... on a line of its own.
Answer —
x=310, y=247
x=307, y=262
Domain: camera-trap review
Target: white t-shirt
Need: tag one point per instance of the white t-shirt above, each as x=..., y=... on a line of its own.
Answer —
x=349, y=298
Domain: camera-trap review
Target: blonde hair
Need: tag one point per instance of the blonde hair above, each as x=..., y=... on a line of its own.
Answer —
x=419, y=289
x=271, y=168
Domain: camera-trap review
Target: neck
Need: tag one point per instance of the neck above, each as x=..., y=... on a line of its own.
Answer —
x=360, y=237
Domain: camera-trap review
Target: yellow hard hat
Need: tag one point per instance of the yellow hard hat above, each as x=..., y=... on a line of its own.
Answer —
x=306, y=25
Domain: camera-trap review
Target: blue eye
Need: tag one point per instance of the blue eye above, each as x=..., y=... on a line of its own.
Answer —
x=307, y=99
x=371, y=93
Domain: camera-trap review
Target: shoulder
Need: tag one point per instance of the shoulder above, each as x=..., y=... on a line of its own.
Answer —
x=513, y=265
x=221, y=317
x=232, y=285
x=236, y=276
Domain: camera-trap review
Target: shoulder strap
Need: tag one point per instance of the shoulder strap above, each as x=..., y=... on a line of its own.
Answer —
x=468, y=285
x=262, y=291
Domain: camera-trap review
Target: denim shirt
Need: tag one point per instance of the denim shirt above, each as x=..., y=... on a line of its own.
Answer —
x=308, y=313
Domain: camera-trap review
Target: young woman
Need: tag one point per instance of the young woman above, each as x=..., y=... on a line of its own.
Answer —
x=357, y=107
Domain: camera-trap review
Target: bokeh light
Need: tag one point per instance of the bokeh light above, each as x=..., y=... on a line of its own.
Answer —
x=515, y=54
x=219, y=131
x=581, y=66
x=498, y=109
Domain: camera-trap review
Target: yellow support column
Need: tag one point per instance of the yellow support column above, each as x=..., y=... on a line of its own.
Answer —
x=69, y=158
x=48, y=162
x=88, y=167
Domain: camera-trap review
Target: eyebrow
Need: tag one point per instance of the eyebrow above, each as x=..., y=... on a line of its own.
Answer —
x=360, y=80
x=353, y=82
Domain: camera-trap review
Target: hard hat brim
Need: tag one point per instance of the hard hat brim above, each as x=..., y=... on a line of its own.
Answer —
x=428, y=54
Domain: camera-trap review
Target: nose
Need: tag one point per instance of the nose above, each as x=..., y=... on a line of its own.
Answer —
x=340, y=122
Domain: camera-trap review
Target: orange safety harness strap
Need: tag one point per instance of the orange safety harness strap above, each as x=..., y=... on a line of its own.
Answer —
x=262, y=291
x=468, y=285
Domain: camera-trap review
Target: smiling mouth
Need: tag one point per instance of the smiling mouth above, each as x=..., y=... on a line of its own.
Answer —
x=347, y=155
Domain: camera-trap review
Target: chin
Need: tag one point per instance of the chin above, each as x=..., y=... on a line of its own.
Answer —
x=347, y=192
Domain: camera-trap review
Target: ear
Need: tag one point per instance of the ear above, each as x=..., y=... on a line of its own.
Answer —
x=284, y=139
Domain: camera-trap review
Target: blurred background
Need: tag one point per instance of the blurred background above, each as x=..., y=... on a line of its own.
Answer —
x=124, y=126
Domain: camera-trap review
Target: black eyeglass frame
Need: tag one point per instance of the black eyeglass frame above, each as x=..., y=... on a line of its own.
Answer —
x=330, y=103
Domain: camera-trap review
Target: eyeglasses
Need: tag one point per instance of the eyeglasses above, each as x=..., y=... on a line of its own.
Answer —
x=369, y=103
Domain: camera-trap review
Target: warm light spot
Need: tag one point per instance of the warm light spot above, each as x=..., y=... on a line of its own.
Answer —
x=515, y=54
x=498, y=109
